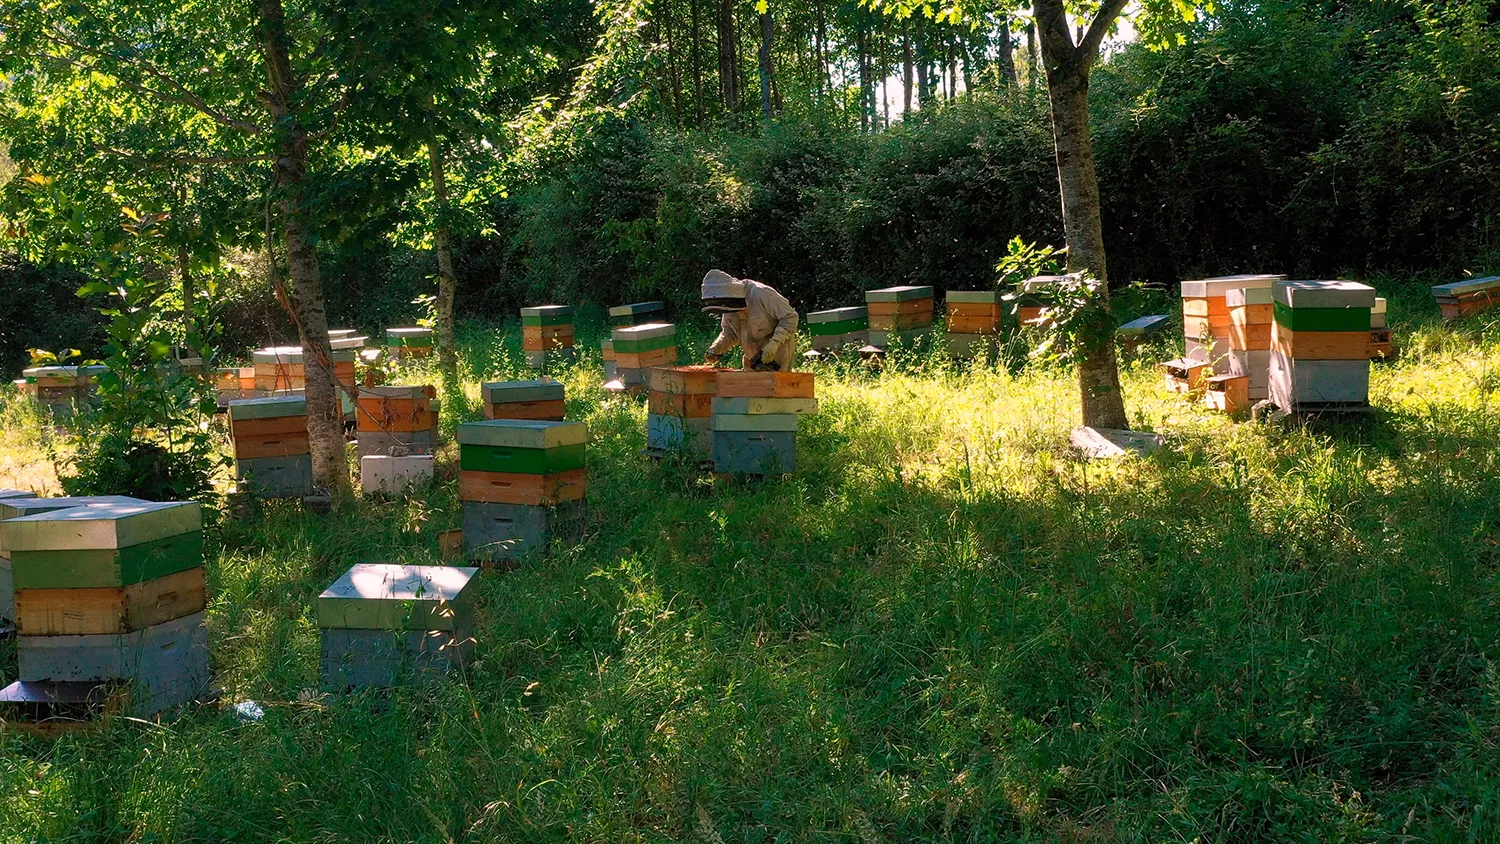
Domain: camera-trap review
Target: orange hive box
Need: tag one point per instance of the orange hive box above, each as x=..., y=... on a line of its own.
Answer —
x=776, y=385
x=521, y=488
x=1321, y=345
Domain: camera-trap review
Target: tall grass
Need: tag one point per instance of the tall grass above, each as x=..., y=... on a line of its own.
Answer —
x=942, y=628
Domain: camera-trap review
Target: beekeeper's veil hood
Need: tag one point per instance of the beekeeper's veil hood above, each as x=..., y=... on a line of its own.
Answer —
x=723, y=292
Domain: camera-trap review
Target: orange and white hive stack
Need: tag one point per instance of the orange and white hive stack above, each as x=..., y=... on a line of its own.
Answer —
x=973, y=323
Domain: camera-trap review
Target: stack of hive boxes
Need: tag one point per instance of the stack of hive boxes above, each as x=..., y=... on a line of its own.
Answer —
x=61, y=389
x=838, y=328
x=346, y=338
x=395, y=435
x=1320, y=346
x=403, y=343
x=640, y=348
x=112, y=593
x=14, y=504
x=1462, y=298
x=1034, y=296
x=272, y=453
x=396, y=418
x=640, y=313
x=679, y=411
x=973, y=323
x=385, y=625
x=898, y=314
x=282, y=369
x=234, y=382
x=1205, y=316
x=1251, y=315
x=522, y=483
x=1380, y=333
x=755, y=421
x=547, y=335
x=539, y=400
x=607, y=347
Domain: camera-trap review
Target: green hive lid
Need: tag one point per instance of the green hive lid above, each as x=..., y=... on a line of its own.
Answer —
x=649, y=331
x=1208, y=288
x=1241, y=297
x=547, y=310
x=102, y=526
x=1142, y=326
x=975, y=297
x=522, y=433
x=499, y=392
x=839, y=314
x=637, y=308
x=394, y=391
x=899, y=294
x=1467, y=286
x=271, y=407
x=377, y=596
x=1325, y=294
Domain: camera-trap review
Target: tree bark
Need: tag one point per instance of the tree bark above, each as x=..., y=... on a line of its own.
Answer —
x=1067, y=67
x=1031, y=58
x=1007, y=52
x=825, y=82
x=325, y=419
x=442, y=241
x=767, y=29
x=906, y=73
x=729, y=83
x=862, y=56
x=697, y=65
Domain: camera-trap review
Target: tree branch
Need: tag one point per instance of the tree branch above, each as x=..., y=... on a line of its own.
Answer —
x=1105, y=19
x=168, y=161
x=1052, y=26
x=136, y=60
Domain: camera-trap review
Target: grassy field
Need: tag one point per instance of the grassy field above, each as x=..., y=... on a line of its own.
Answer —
x=942, y=628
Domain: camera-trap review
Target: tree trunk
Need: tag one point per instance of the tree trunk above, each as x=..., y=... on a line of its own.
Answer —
x=1068, y=94
x=325, y=419
x=906, y=73
x=442, y=240
x=766, y=31
x=674, y=80
x=1031, y=58
x=862, y=56
x=697, y=65
x=963, y=60
x=825, y=82
x=729, y=83
x=924, y=68
x=1007, y=52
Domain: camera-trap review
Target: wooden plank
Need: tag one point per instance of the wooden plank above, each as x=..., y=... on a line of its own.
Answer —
x=272, y=445
x=534, y=461
x=1250, y=337
x=902, y=308
x=757, y=422
x=112, y=609
x=646, y=360
x=779, y=385
x=757, y=405
x=270, y=426
x=1209, y=306
x=389, y=414
x=535, y=410
x=523, y=488
x=102, y=568
x=900, y=323
x=699, y=406
x=686, y=380
x=988, y=324
x=1321, y=345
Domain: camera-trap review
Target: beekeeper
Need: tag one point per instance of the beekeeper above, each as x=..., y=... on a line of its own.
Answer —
x=754, y=316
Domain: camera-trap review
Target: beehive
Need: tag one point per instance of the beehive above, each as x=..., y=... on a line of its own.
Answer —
x=547, y=336
x=640, y=348
x=898, y=314
x=839, y=328
x=402, y=343
x=272, y=453
x=639, y=313
x=522, y=483
x=1464, y=298
x=679, y=409
x=755, y=420
x=1320, y=346
x=400, y=419
x=973, y=323
x=385, y=625
x=540, y=400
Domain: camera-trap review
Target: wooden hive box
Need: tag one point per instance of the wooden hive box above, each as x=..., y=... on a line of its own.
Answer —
x=973, y=312
x=1464, y=298
x=1186, y=375
x=535, y=400
x=536, y=463
x=779, y=385
x=397, y=409
x=408, y=342
x=1228, y=393
x=638, y=313
x=838, y=327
